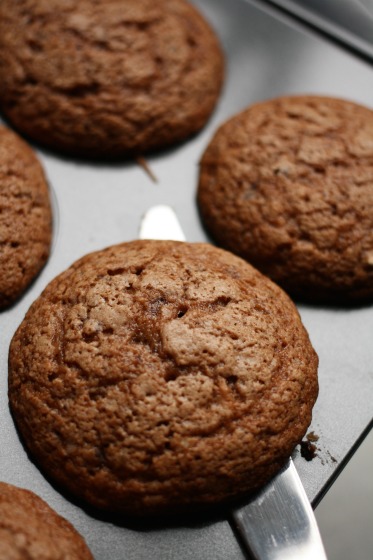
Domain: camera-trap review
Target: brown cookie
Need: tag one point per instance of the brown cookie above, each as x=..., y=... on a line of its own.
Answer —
x=31, y=530
x=288, y=185
x=157, y=376
x=107, y=78
x=25, y=217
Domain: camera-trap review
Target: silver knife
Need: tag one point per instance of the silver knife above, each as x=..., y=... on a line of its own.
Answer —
x=278, y=522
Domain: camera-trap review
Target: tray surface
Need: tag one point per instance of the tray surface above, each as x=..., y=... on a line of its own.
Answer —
x=96, y=205
x=348, y=21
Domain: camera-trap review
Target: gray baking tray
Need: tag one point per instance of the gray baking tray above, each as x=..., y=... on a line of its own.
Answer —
x=348, y=21
x=96, y=205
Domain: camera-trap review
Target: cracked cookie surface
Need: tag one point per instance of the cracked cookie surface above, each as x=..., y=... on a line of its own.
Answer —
x=107, y=78
x=288, y=185
x=25, y=217
x=159, y=376
x=31, y=530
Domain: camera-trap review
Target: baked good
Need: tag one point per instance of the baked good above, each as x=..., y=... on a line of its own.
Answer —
x=107, y=78
x=31, y=530
x=25, y=217
x=159, y=376
x=288, y=185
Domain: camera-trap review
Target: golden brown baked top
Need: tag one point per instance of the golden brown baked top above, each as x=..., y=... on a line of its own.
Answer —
x=31, y=530
x=155, y=376
x=288, y=185
x=25, y=217
x=110, y=77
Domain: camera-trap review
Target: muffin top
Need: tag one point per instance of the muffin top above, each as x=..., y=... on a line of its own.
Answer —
x=288, y=185
x=25, y=217
x=107, y=78
x=31, y=530
x=158, y=376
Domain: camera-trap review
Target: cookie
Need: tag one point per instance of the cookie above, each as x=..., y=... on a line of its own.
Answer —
x=25, y=217
x=159, y=376
x=107, y=79
x=288, y=185
x=31, y=530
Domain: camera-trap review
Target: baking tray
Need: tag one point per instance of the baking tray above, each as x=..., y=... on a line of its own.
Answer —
x=96, y=205
x=349, y=22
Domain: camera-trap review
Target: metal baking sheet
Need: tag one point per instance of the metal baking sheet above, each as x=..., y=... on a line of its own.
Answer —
x=96, y=205
x=348, y=21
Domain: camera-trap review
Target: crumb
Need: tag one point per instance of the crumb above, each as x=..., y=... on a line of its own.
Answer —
x=144, y=164
x=308, y=450
x=334, y=460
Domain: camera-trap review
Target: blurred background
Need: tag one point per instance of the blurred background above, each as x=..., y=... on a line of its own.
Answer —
x=345, y=515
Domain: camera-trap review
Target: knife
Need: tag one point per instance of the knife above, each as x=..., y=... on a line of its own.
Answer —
x=278, y=522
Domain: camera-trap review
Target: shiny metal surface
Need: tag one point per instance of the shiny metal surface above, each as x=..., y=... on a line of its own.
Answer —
x=97, y=205
x=279, y=523
x=350, y=21
x=160, y=222
x=368, y=4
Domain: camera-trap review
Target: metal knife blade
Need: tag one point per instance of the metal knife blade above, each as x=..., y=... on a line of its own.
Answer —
x=278, y=522
x=160, y=222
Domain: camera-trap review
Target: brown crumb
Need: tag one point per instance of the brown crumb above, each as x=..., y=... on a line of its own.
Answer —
x=144, y=164
x=333, y=459
x=308, y=450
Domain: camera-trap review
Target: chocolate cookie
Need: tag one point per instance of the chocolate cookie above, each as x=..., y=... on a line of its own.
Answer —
x=108, y=78
x=31, y=530
x=25, y=217
x=288, y=185
x=157, y=376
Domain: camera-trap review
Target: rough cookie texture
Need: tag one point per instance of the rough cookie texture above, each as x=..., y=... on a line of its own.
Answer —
x=155, y=376
x=31, y=530
x=288, y=185
x=107, y=78
x=25, y=217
